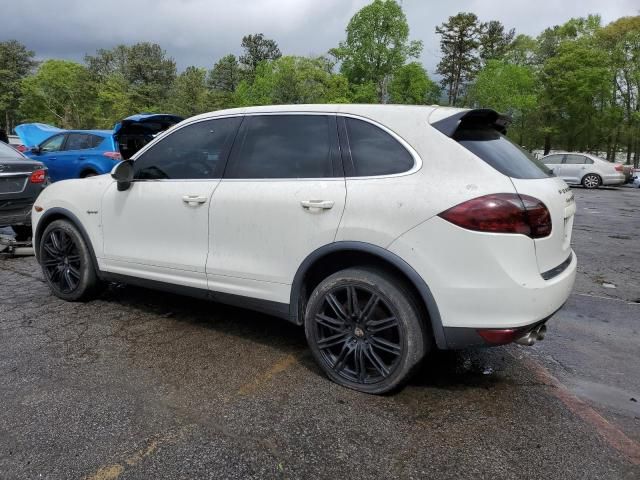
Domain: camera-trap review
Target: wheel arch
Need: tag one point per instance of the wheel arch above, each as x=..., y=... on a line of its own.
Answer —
x=337, y=256
x=58, y=213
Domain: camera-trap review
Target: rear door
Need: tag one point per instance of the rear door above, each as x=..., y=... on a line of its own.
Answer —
x=281, y=198
x=574, y=167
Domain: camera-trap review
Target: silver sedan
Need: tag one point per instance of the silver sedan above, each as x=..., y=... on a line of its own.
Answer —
x=585, y=169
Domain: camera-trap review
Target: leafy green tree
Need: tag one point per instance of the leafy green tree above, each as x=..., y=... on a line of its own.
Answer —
x=459, y=42
x=16, y=61
x=258, y=49
x=511, y=89
x=225, y=75
x=61, y=93
x=377, y=45
x=293, y=80
x=189, y=94
x=522, y=51
x=494, y=41
x=411, y=85
x=621, y=40
x=146, y=68
x=575, y=84
x=113, y=101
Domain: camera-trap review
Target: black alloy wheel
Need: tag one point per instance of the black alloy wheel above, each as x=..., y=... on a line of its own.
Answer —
x=364, y=330
x=61, y=260
x=66, y=262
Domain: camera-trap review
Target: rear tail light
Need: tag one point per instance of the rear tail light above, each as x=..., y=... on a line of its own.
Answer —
x=38, y=176
x=113, y=155
x=618, y=167
x=21, y=148
x=502, y=213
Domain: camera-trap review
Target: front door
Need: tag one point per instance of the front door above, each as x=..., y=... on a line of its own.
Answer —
x=281, y=198
x=159, y=228
x=50, y=151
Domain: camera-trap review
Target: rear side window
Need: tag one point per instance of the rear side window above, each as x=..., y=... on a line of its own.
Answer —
x=499, y=152
x=195, y=151
x=283, y=146
x=82, y=141
x=374, y=151
x=552, y=160
x=574, y=159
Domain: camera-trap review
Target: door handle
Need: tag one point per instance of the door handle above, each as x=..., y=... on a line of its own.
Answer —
x=194, y=199
x=82, y=158
x=321, y=204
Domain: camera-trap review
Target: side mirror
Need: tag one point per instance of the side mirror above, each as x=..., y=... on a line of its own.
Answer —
x=36, y=150
x=123, y=174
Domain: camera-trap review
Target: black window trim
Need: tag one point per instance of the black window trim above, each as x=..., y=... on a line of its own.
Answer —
x=347, y=159
x=171, y=130
x=337, y=162
x=88, y=134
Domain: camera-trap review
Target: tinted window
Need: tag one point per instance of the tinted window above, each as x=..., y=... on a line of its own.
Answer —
x=552, y=160
x=192, y=152
x=499, y=152
x=283, y=146
x=53, y=144
x=374, y=151
x=8, y=152
x=574, y=159
x=82, y=141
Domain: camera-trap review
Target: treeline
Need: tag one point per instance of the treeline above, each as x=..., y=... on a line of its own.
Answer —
x=575, y=86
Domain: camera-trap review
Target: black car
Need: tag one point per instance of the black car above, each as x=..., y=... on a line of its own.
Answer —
x=21, y=181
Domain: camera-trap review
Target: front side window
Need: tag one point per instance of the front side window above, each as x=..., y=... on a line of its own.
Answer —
x=54, y=144
x=283, y=146
x=374, y=151
x=196, y=151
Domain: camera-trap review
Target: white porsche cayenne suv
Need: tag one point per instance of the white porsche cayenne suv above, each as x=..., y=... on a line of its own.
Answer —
x=387, y=231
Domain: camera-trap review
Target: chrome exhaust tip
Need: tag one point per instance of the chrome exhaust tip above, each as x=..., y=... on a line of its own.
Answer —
x=541, y=332
x=528, y=339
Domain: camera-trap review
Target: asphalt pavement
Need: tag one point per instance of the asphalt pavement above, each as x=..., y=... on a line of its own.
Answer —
x=141, y=384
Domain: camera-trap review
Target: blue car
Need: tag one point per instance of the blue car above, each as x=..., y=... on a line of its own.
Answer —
x=84, y=153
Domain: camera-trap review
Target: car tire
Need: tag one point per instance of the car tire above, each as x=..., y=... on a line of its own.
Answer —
x=364, y=330
x=591, y=180
x=67, y=263
x=23, y=232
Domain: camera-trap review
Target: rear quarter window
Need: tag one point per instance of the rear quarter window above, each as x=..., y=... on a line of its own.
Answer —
x=501, y=153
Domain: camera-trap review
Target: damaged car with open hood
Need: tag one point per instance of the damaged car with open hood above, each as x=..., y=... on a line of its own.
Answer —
x=85, y=153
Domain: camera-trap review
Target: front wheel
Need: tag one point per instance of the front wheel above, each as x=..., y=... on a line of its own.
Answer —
x=66, y=262
x=364, y=330
x=591, y=181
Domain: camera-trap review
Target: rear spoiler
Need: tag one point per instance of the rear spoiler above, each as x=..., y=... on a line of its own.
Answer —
x=478, y=116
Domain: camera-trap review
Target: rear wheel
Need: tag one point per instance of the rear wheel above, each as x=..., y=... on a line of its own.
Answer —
x=66, y=262
x=591, y=180
x=364, y=330
x=23, y=232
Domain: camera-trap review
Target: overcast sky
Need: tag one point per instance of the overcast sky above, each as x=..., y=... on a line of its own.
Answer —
x=198, y=32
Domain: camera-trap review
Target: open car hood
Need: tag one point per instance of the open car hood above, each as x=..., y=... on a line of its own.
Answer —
x=145, y=124
x=33, y=134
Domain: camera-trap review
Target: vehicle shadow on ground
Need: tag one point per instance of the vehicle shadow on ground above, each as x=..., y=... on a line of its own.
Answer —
x=446, y=370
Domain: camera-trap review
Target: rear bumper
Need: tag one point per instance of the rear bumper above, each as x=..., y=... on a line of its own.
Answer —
x=483, y=281
x=15, y=213
x=614, y=179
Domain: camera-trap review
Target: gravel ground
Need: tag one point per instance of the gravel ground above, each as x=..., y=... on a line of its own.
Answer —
x=140, y=384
